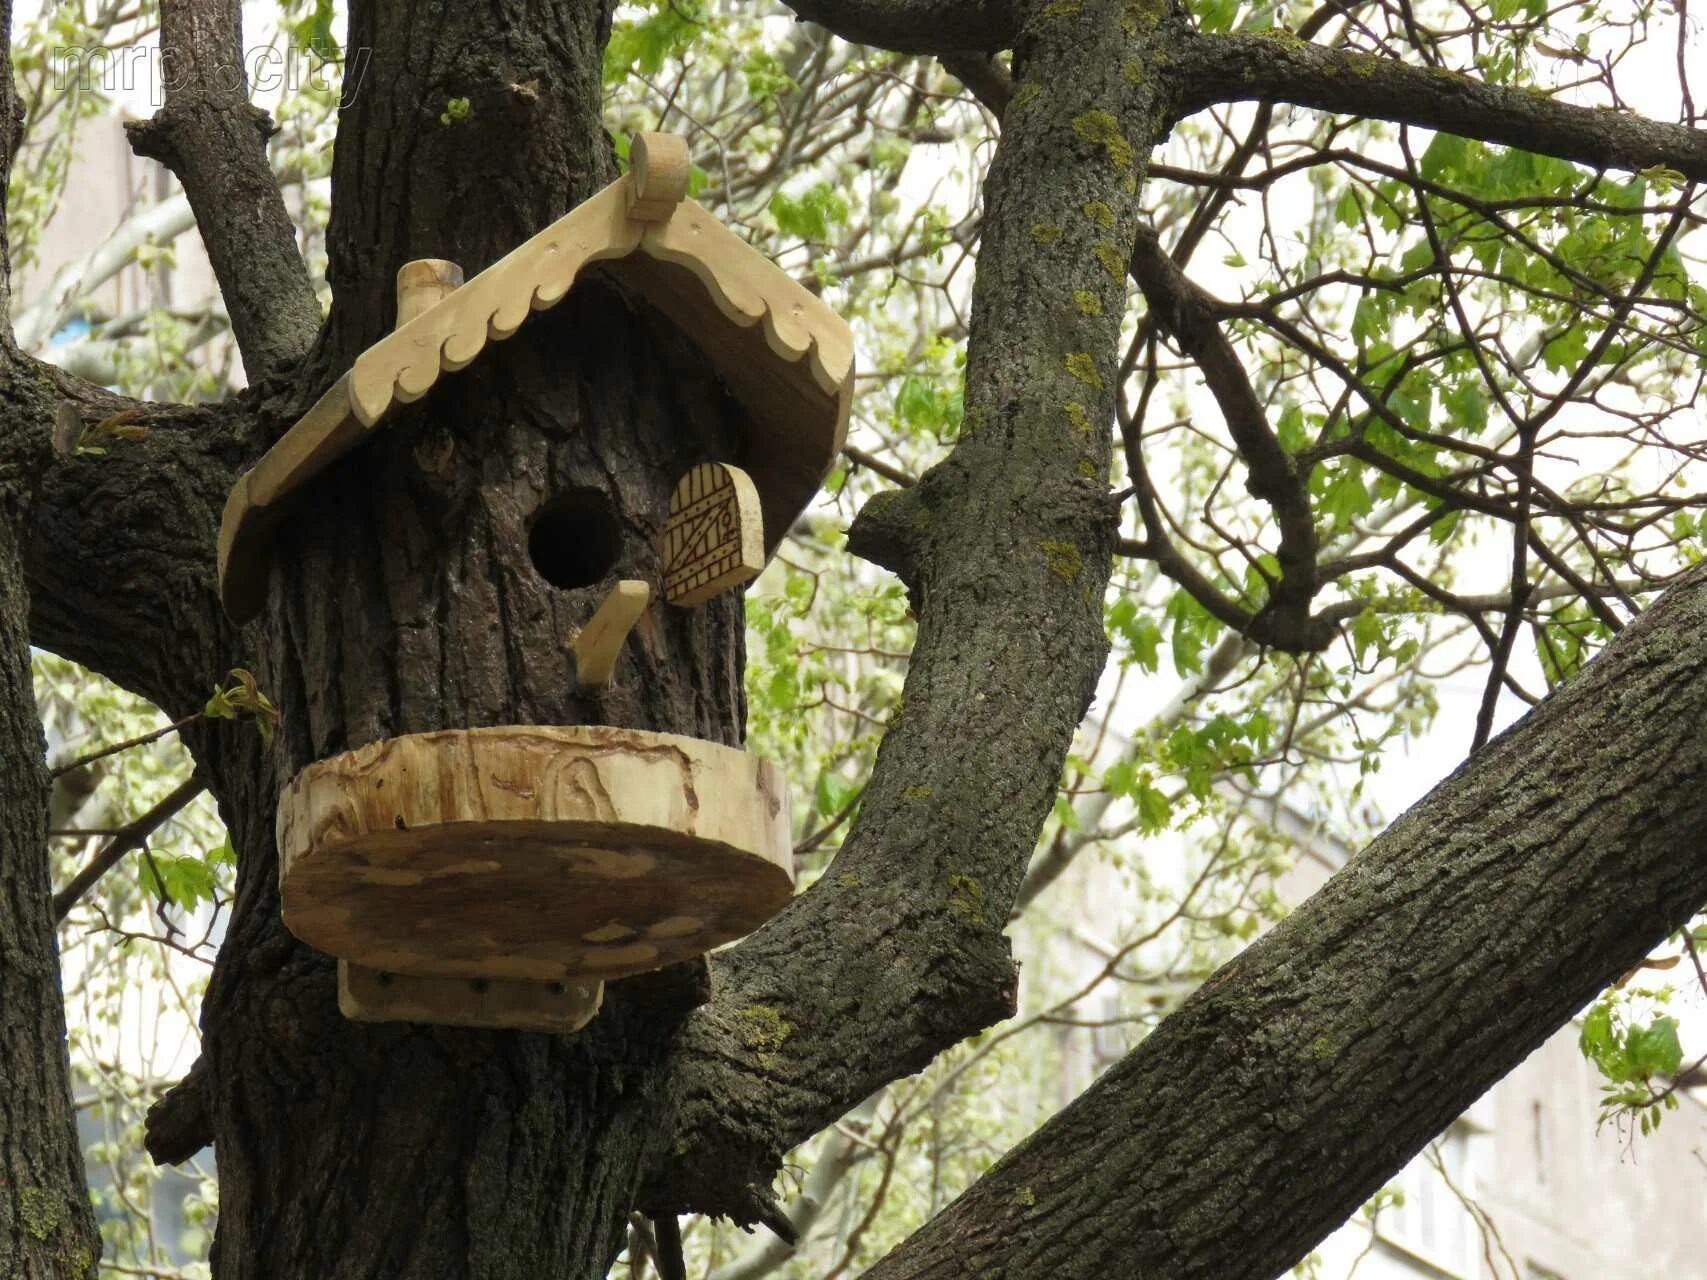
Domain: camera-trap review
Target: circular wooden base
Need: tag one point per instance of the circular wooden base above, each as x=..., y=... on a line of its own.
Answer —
x=542, y=853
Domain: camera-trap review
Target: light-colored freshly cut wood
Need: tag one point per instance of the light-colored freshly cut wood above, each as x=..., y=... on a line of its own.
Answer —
x=598, y=643
x=659, y=166
x=786, y=357
x=372, y=995
x=423, y=284
x=541, y=853
x=714, y=538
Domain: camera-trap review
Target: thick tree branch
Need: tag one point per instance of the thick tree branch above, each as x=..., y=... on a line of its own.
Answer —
x=1282, y=68
x=987, y=79
x=1317, y=1062
x=47, y=1225
x=897, y=951
x=917, y=26
x=215, y=140
x=119, y=547
x=179, y=1123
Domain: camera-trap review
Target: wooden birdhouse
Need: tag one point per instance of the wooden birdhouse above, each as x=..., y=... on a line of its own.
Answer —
x=499, y=876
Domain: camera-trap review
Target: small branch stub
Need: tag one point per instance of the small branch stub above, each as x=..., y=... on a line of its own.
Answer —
x=599, y=642
x=714, y=538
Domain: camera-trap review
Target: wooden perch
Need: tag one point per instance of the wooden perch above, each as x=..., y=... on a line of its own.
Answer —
x=785, y=356
x=714, y=538
x=598, y=643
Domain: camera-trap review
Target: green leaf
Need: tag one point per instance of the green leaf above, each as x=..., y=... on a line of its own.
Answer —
x=314, y=31
x=184, y=882
x=833, y=793
x=1346, y=497
x=1137, y=630
x=810, y=215
x=1598, y=1043
x=1121, y=778
x=784, y=688
x=1654, y=1050
x=1192, y=628
x=1349, y=211
x=1216, y=15
x=645, y=46
x=1444, y=157
x=1365, y=634
x=1467, y=403
x=1566, y=351
x=1155, y=810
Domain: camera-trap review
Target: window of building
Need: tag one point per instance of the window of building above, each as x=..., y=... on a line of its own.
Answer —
x=1433, y=1223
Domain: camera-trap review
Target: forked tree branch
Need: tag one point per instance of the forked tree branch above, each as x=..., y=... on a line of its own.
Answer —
x=1185, y=311
x=1309, y=1066
x=1283, y=68
x=118, y=546
x=215, y=140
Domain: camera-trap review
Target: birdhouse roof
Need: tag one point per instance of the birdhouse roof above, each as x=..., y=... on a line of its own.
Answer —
x=785, y=356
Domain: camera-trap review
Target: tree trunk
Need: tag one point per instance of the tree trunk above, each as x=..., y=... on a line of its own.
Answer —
x=47, y=1228
x=415, y=592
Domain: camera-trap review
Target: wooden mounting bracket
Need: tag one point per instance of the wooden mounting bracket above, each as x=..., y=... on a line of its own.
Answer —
x=422, y=285
x=659, y=167
x=371, y=995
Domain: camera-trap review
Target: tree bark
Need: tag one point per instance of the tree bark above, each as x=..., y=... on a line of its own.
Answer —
x=1288, y=1088
x=1007, y=548
x=1279, y=67
x=47, y=1226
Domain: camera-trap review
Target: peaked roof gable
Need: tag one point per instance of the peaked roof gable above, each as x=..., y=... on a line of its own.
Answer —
x=786, y=357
